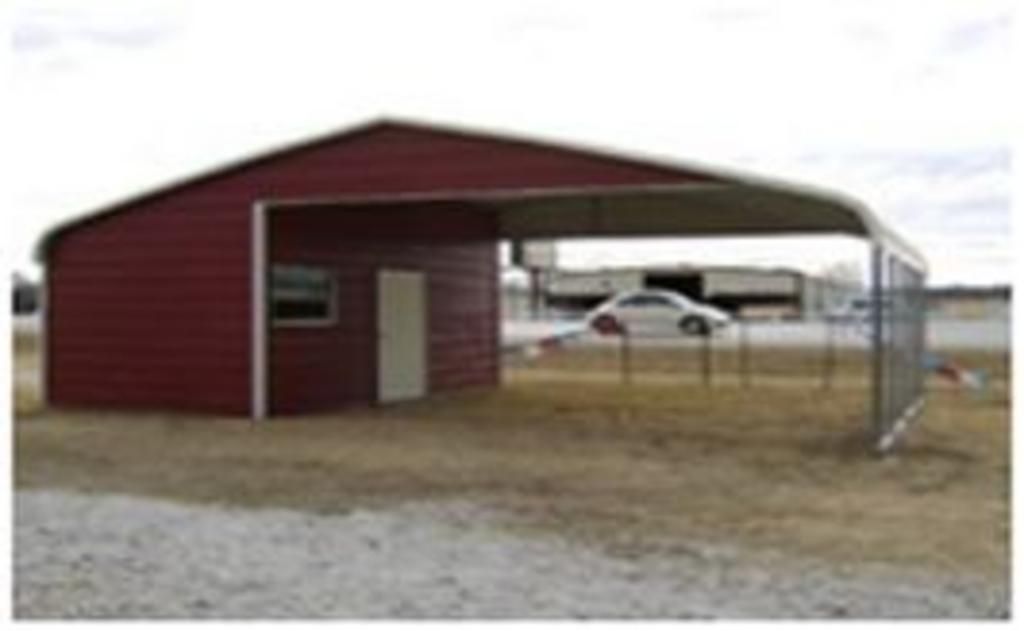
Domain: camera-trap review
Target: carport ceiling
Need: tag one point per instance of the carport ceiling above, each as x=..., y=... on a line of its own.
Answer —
x=729, y=207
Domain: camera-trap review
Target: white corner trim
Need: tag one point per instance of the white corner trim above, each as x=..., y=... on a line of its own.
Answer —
x=259, y=403
x=44, y=335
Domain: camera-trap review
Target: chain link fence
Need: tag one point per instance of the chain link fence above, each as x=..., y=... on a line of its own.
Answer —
x=878, y=350
x=898, y=322
x=821, y=353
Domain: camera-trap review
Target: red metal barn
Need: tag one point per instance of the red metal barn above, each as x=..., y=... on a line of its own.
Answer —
x=358, y=267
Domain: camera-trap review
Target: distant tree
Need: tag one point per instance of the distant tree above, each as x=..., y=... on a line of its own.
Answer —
x=24, y=294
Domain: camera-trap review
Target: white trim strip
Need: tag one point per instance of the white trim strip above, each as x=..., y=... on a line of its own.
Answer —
x=44, y=335
x=496, y=194
x=259, y=404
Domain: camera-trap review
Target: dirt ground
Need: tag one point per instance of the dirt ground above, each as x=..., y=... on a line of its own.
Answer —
x=565, y=449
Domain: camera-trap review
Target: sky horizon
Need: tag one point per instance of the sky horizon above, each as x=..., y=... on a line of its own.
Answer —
x=901, y=104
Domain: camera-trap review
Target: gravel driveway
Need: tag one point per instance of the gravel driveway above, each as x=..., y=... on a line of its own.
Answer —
x=82, y=556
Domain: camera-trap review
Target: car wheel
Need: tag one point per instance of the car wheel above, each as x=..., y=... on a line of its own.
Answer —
x=693, y=325
x=607, y=324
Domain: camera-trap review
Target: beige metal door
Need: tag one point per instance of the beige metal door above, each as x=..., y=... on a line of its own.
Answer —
x=401, y=335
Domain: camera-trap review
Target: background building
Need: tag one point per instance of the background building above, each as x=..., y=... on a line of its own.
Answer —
x=742, y=290
x=969, y=303
x=24, y=295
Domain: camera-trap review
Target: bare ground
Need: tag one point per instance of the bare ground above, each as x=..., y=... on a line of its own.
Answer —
x=111, y=556
x=564, y=451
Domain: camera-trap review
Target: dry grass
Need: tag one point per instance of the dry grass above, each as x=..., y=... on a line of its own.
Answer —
x=25, y=374
x=637, y=469
x=764, y=363
x=24, y=344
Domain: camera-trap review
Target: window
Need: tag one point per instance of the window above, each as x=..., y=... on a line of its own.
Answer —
x=302, y=295
x=646, y=300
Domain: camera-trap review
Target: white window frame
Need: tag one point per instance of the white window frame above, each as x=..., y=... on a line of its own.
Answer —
x=304, y=323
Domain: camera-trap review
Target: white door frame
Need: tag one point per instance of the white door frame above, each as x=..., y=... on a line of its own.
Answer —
x=420, y=382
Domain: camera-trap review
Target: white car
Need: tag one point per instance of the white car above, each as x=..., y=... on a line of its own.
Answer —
x=853, y=309
x=658, y=311
x=857, y=309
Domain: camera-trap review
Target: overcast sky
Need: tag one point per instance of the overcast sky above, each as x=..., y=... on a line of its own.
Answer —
x=905, y=104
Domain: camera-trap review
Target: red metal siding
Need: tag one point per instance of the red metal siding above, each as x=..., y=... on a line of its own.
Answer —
x=149, y=310
x=150, y=307
x=327, y=367
x=392, y=159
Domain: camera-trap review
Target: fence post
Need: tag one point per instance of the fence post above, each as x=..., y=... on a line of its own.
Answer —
x=625, y=358
x=744, y=358
x=705, y=357
x=879, y=392
x=830, y=356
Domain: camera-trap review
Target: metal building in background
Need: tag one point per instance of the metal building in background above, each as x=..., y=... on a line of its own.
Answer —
x=746, y=291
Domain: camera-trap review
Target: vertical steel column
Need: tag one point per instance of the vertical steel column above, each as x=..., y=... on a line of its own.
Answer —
x=259, y=353
x=877, y=422
x=922, y=333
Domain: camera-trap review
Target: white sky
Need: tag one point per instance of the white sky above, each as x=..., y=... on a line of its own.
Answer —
x=904, y=104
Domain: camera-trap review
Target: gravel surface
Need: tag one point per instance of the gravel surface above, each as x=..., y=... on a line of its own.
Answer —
x=80, y=556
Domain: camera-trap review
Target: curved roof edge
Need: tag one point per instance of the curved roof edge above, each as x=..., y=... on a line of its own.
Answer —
x=874, y=229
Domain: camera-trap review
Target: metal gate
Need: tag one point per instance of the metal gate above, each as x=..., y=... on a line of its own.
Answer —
x=898, y=345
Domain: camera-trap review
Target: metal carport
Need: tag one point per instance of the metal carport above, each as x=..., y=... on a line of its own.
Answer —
x=731, y=204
